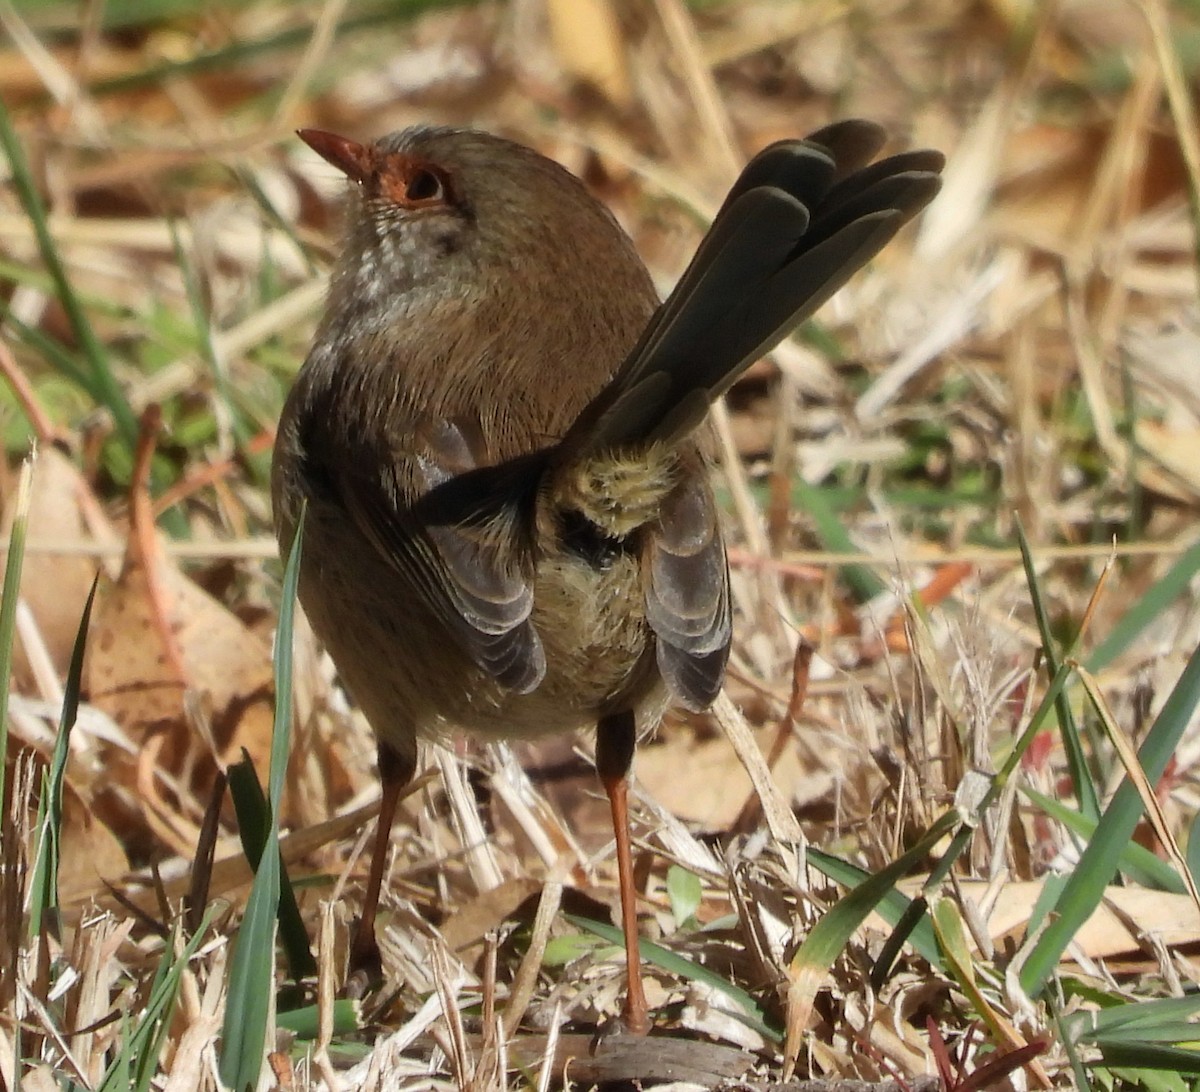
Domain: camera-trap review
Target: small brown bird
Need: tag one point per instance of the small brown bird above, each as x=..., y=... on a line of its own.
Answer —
x=510, y=525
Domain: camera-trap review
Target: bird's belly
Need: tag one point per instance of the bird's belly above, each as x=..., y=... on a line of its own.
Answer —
x=599, y=647
x=405, y=670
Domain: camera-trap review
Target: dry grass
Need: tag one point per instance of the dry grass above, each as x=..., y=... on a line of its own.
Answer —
x=1026, y=356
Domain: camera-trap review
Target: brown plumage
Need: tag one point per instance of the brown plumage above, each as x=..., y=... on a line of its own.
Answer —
x=510, y=526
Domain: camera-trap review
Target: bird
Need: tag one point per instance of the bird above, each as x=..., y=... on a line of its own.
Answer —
x=497, y=441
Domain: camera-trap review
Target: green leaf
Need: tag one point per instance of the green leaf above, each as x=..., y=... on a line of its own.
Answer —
x=1081, y=777
x=251, y=972
x=8, y=604
x=1102, y=856
x=1137, y=862
x=44, y=886
x=563, y=950
x=251, y=978
x=1146, y=609
x=1171, y=1059
x=100, y=373
x=136, y=1063
x=827, y=939
x=684, y=892
x=304, y=1022
x=254, y=817
x=893, y=907
x=1139, y=1015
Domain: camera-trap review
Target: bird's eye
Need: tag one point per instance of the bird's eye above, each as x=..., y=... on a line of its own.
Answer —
x=424, y=185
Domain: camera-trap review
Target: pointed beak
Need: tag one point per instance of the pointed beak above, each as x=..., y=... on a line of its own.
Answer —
x=351, y=158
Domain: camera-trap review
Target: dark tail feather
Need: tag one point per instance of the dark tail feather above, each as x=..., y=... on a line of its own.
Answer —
x=802, y=218
x=849, y=145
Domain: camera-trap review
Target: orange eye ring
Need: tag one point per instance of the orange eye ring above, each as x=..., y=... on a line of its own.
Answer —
x=424, y=187
x=413, y=184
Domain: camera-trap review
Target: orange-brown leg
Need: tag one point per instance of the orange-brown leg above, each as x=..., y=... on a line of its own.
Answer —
x=395, y=772
x=616, y=736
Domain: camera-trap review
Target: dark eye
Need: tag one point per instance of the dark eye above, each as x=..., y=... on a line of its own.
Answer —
x=424, y=185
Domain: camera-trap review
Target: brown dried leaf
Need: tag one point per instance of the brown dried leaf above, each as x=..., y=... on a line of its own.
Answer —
x=1172, y=919
x=54, y=586
x=130, y=675
x=1176, y=450
x=702, y=781
x=473, y=920
x=587, y=41
x=140, y=665
x=90, y=851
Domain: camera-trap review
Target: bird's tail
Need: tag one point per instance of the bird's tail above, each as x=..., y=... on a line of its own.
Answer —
x=801, y=219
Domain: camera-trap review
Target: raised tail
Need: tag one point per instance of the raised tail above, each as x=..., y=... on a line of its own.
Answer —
x=801, y=219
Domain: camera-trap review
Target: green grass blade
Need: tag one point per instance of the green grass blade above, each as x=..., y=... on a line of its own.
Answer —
x=250, y=807
x=1087, y=1026
x=831, y=530
x=283, y=224
x=1135, y=1056
x=1047, y=899
x=1146, y=609
x=1192, y=853
x=240, y=52
x=106, y=383
x=894, y=907
x=959, y=962
x=251, y=978
x=1074, y=1057
x=251, y=974
x=1175, y=1032
x=1137, y=862
x=1102, y=856
x=119, y=1074
x=8, y=604
x=1081, y=777
x=304, y=1022
x=1048, y=702
x=140, y=1049
x=918, y=908
x=205, y=337
x=254, y=819
x=282, y=731
x=44, y=886
x=830, y=935
x=64, y=363
x=811, y=964
x=684, y=893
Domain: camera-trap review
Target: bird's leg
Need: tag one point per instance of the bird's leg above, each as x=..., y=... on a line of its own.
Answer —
x=616, y=735
x=395, y=772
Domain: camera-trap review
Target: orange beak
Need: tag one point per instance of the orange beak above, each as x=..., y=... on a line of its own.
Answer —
x=354, y=160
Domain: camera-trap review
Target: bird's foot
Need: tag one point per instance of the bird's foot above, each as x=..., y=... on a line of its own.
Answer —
x=619, y=1027
x=365, y=971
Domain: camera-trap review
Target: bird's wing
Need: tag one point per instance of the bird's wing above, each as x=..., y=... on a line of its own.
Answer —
x=461, y=547
x=686, y=587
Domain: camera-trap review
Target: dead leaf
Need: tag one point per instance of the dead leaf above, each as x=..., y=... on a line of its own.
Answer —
x=90, y=851
x=587, y=40
x=702, y=781
x=1171, y=918
x=55, y=586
